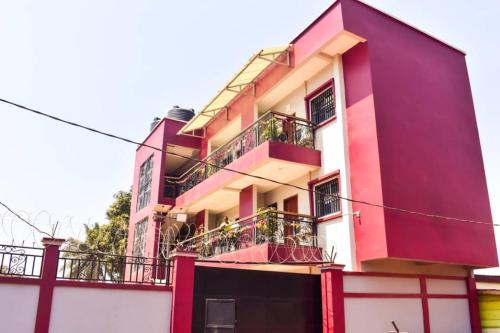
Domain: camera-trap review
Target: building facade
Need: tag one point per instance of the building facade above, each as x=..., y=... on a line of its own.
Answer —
x=354, y=143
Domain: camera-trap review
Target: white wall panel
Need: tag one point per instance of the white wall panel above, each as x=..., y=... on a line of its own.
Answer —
x=18, y=304
x=281, y=193
x=449, y=315
x=440, y=286
x=96, y=310
x=367, y=315
x=376, y=284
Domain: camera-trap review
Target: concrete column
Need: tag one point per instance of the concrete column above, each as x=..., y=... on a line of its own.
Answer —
x=332, y=298
x=47, y=283
x=248, y=201
x=475, y=320
x=200, y=218
x=183, y=291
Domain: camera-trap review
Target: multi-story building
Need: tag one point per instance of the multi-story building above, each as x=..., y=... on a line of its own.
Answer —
x=357, y=140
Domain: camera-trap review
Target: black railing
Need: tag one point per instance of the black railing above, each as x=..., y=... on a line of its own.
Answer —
x=269, y=226
x=112, y=268
x=272, y=126
x=21, y=261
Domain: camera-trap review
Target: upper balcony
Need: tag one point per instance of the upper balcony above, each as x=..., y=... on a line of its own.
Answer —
x=276, y=144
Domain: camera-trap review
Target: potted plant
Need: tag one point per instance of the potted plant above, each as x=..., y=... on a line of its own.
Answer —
x=269, y=129
x=266, y=225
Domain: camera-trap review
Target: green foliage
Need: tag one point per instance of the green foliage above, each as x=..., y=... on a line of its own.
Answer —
x=267, y=224
x=108, y=238
x=269, y=129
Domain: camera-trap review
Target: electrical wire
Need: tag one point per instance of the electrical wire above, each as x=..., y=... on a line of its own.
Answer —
x=335, y=196
x=25, y=221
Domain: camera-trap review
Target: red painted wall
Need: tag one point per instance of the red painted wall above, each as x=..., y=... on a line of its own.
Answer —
x=164, y=133
x=414, y=144
x=200, y=218
x=363, y=154
x=246, y=201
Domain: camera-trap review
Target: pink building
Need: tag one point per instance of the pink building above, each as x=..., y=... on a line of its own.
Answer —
x=359, y=105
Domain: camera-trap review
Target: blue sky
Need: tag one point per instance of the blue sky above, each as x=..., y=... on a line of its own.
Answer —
x=116, y=64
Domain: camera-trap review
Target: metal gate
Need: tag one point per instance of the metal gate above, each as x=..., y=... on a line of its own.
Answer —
x=238, y=300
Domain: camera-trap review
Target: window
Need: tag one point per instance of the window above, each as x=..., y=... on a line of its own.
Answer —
x=321, y=103
x=220, y=315
x=145, y=178
x=168, y=189
x=325, y=202
x=140, y=238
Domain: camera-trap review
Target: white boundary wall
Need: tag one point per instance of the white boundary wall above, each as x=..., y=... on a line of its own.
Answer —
x=400, y=300
x=18, y=305
x=104, y=310
x=375, y=315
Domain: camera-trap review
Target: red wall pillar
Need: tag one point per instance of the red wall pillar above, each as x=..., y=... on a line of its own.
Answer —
x=183, y=289
x=246, y=202
x=47, y=283
x=332, y=298
x=200, y=218
x=475, y=320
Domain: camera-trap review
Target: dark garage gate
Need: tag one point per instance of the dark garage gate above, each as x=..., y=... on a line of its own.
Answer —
x=239, y=300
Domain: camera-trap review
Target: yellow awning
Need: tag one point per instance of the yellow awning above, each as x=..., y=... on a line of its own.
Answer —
x=250, y=71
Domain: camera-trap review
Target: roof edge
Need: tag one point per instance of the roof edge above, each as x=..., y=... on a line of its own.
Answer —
x=397, y=19
x=393, y=17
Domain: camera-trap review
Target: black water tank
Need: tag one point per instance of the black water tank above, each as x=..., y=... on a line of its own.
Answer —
x=180, y=114
x=155, y=122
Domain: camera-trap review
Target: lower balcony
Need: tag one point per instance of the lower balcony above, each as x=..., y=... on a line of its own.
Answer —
x=268, y=237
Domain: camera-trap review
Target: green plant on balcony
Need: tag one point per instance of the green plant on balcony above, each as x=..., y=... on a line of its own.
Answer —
x=266, y=225
x=268, y=129
x=206, y=249
x=228, y=236
x=210, y=169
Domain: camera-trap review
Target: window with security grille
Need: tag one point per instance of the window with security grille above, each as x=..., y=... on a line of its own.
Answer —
x=322, y=106
x=145, y=179
x=140, y=238
x=326, y=198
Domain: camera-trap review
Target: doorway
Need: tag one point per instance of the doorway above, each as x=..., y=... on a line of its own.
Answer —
x=290, y=205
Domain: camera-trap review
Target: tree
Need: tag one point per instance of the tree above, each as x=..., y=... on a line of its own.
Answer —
x=98, y=254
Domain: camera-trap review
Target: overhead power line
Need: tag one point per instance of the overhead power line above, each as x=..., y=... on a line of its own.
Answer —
x=117, y=137
x=26, y=221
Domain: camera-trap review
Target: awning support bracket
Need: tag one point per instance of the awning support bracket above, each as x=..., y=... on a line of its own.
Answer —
x=274, y=61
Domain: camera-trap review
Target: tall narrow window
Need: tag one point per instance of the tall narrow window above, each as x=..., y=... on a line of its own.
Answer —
x=326, y=199
x=145, y=179
x=140, y=238
x=321, y=104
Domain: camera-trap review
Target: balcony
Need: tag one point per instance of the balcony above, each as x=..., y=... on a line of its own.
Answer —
x=269, y=236
x=276, y=144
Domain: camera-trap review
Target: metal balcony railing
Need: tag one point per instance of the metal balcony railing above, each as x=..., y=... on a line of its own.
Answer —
x=272, y=126
x=269, y=226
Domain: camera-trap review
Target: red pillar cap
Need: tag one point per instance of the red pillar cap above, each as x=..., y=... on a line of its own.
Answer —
x=327, y=267
x=46, y=241
x=183, y=253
